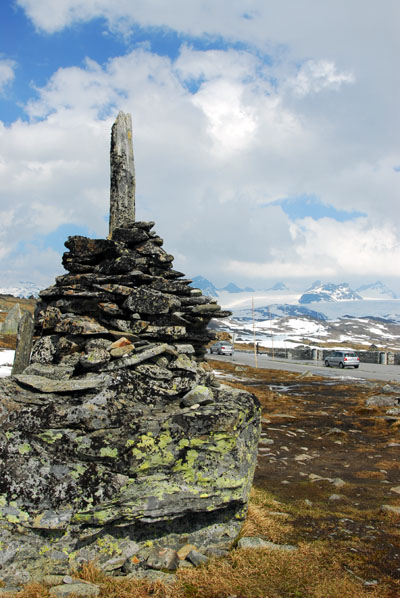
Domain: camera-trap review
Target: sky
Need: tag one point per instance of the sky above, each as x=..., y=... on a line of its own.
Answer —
x=266, y=134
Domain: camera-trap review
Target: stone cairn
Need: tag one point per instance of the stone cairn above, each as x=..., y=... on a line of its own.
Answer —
x=117, y=444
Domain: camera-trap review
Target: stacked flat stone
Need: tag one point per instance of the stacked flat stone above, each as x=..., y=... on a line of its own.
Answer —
x=117, y=436
x=121, y=287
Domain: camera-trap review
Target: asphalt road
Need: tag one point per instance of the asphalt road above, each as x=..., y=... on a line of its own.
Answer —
x=366, y=371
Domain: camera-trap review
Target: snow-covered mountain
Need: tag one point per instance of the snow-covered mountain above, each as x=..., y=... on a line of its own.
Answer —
x=376, y=290
x=207, y=287
x=329, y=292
x=23, y=289
x=233, y=288
x=279, y=286
x=276, y=311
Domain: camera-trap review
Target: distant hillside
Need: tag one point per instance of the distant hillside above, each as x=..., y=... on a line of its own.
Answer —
x=279, y=286
x=23, y=289
x=376, y=290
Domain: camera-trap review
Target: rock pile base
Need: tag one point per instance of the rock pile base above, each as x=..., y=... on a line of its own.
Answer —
x=117, y=439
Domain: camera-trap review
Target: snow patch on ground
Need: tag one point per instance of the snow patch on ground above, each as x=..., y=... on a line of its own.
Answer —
x=6, y=361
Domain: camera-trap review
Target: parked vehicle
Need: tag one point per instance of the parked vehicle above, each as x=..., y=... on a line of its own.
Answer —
x=222, y=348
x=342, y=359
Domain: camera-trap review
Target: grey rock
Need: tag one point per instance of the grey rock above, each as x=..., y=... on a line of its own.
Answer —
x=382, y=401
x=130, y=236
x=207, y=308
x=9, y=591
x=70, y=361
x=152, y=575
x=213, y=551
x=113, y=564
x=95, y=358
x=44, y=349
x=51, y=520
x=163, y=558
x=338, y=482
x=48, y=385
x=391, y=509
x=97, y=343
x=198, y=395
x=54, y=580
x=75, y=589
x=390, y=388
x=125, y=362
x=256, y=542
x=188, y=349
x=122, y=187
x=184, y=550
x=24, y=344
x=149, y=301
x=122, y=351
x=393, y=411
x=10, y=324
x=196, y=558
x=55, y=372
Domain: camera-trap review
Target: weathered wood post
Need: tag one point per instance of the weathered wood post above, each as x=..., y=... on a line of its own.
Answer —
x=24, y=344
x=122, y=184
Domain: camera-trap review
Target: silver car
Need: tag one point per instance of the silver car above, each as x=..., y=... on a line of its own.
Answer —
x=222, y=348
x=343, y=359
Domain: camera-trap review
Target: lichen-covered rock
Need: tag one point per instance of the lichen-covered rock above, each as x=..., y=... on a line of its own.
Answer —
x=123, y=459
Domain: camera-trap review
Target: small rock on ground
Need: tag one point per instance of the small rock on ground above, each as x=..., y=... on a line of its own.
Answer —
x=163, y=558
x=196, y=558
x=256, y=542
x=152, y=575
x=391, y=509
x=75, y=589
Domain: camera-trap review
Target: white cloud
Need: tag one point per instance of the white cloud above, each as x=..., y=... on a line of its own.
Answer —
x=315, y=76
x=33, y=264
x=350, y=247
x=219, y=134
x=330, y=250
x=7, y=74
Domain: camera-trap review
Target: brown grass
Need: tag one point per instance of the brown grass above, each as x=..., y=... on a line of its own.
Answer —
x=262, y=523
x=310, y=572
x=388, y=464
x=32, y=590
x=372, y=475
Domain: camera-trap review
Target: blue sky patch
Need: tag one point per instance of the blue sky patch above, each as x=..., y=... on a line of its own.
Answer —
x=37, y=55
x=309, y=206
x=56, y=239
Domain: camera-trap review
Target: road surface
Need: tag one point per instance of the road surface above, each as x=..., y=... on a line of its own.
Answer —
x=366, y=371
